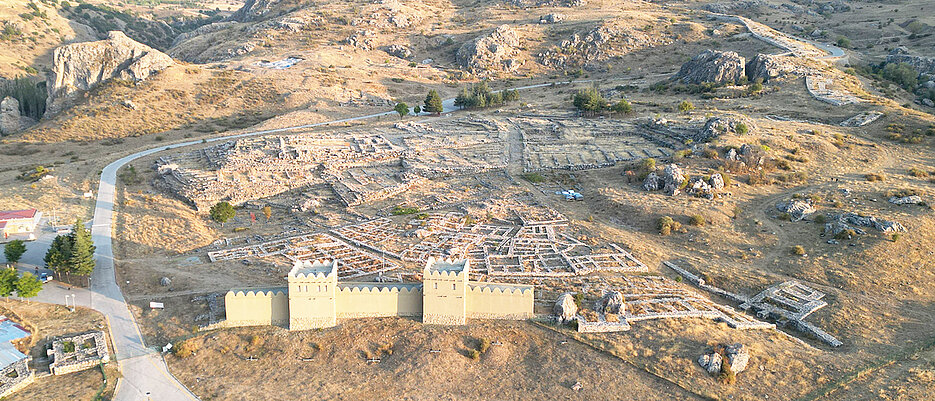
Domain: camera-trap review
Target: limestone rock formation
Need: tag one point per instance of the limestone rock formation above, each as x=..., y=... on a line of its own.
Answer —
x=710, y=363
x=699, y=187
x=716, y=181
x=253, y=10
x=82, y=66
x=11, y=121
x=906, y=200
x=769, y=67
x=672, y=179
x=611, y=302
x=852, y=221
x=589, y=50
x=399, y=51
x=737, y=357
x=717, y=126
x=495, y=51
x=565, y=308
x=652, y=182
x=713, y=66
x=924, y=65
x=797, y=209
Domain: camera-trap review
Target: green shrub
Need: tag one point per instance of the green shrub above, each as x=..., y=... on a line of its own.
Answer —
x=697, y=220
x=534, y=178
x=185, y=349
x=685, y=106
x=400, y=211
x=846, y=234
x=667, y=225
x=473, y=354
x=798, y=250
x=821, y=219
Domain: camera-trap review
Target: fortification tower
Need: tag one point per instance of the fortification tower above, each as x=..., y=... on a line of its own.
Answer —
x=312, y=287
x=444, y=286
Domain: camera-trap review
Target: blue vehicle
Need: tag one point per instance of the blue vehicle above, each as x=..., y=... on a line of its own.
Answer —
x=45, y=277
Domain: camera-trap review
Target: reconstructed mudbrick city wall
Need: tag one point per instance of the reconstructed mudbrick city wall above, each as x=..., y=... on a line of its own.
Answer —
x=315, y=299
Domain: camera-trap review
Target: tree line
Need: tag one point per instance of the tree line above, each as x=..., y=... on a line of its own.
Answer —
x=26, y=285
x=31, y=96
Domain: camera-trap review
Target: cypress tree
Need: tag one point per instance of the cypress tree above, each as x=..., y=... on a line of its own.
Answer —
x=82, y=256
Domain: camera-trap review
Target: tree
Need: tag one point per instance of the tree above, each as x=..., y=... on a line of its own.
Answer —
x=28, y=286
x=402, y=109
x=82, y=254
x=589, y=100
x=416, y=109
x=622, y=107
x=7, y=282
x=56, y=258
x=222, y=212
x=685, y=106
x=267, y=212
x=14, y=250
x=433, y=103
x=903, y=74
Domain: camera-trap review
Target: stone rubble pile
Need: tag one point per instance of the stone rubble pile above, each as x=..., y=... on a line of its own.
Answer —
x=735, y=357
x=906, y=200
x=610, y=302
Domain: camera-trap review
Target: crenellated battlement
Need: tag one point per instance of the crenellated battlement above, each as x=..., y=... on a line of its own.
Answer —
x=314, y=270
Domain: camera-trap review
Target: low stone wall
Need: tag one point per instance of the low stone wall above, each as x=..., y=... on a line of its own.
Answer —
x=82, y=357
x=602, y=326
x=24, y=377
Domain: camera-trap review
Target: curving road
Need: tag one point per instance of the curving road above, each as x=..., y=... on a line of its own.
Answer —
x=145, y=375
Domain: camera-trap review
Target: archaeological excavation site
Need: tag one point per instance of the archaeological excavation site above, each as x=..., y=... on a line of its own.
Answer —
x=467, y=199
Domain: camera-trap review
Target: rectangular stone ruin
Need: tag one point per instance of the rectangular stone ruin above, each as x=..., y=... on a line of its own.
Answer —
x=78, y=352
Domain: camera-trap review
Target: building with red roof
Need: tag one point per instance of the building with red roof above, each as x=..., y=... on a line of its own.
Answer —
x=19, y=221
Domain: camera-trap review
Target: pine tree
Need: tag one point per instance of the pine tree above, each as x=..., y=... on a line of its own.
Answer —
x=14, y=250
x=433, y=103
x=82, y=256
x=221, y=212
x=402, y=109
x=59, y=253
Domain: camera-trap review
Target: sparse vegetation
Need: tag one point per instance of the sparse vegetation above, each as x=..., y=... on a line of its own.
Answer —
x=685, y=106
x=534, y=178
x=874, y=177
x=667, y=225
x=798, y=250
x=697, y=220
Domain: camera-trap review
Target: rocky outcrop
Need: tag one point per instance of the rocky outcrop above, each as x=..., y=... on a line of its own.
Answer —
x=711, y=363
x=672, y=179
x=717, y=126
x=652, y=182
x=82, y=66
x=360, y=39
x=852, y=221
x=716, y=181
x=906, y=200
x=493, y=52
x=253, y=10
x=797, y=209
x=611, y=302
x=713, y=66
x=924, y=65
x=734, y=6
x=565, y=308
x=399, y=51
x=11, y=121
x=770, y=67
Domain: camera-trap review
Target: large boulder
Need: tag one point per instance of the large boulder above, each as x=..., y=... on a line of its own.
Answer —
x=672, y=179
x=611, y=302
x=716, y=182
x=713, y=66
x=11, y=121
x=711, y=363
x=82, y=66
x=495, y=51
x=737, y=357
x=565, y=308
x=733, y=357
x=653, y=182
x=906, y=200
x=769, y=66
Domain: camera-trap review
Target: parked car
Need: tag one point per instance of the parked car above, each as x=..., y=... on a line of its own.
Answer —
x=45, y=277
